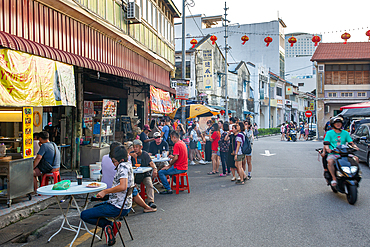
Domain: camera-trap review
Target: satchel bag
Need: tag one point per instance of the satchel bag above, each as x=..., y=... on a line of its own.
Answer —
x=44, y=166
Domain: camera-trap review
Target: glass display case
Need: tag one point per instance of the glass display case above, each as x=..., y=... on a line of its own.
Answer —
x=104, y=131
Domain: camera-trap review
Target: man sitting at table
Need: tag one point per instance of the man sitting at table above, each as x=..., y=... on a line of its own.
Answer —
x=158, y=147
x=142, y=158
x=123, y=179
x=47, y=159
x=178, y=164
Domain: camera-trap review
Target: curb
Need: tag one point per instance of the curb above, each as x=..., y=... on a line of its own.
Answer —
x=25, y=212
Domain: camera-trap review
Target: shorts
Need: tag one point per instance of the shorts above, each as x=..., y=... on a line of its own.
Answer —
x=214, y=152
x=336, y=156
x=218, y=153
x=240, y=157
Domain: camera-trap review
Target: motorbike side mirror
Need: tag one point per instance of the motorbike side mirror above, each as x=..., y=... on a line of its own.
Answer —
x=363, y=138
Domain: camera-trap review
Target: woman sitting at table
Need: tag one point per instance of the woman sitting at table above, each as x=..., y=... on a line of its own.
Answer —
x=123, y=179
x=109, y=171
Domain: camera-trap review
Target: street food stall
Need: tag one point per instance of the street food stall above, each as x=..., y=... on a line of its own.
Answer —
x=16, y=156
x=27, y=81
x=100, y=130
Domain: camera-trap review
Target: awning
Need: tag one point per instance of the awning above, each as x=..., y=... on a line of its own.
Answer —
x=248, y=113
x=221, y=108
x=354, y=106
x=17, y=43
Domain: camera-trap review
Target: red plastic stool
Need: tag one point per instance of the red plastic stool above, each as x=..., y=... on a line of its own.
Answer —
x=142, y=191
x=46, y=177
x=182, y=186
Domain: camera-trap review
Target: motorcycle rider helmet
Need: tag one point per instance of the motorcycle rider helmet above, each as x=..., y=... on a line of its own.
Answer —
x=334, y=120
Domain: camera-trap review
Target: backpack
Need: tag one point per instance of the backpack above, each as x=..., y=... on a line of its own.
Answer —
x=246, y=148
x=169, y=141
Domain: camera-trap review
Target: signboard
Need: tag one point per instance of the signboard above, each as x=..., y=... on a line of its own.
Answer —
x=182, y=89
x=160, y=100
x=279, y=101
x=27, y=132
x=308, y=113
x=208, y=69
x=289, y=90
x=28, y=80
x=109, y=108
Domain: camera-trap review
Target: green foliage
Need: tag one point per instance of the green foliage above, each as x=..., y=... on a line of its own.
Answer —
x=269, y=131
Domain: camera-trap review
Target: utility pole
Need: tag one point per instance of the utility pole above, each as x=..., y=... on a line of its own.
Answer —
x=183, y=70
x=226, y=69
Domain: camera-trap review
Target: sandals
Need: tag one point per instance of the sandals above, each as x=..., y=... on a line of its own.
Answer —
x=333, y=183
x=211, y=173
x=239, y=182
x=233, y=179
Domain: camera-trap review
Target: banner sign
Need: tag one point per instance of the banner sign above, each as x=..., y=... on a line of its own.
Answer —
x=289, y=90
x=28, y=80
x=182, y=89
x=160, y=101
x=27, y=132
x=208, y=69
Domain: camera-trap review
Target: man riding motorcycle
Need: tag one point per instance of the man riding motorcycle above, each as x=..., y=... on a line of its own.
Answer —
x=336, y=137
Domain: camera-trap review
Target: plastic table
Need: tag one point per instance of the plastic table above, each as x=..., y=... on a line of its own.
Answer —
x=155, y=160
x=141, y=170
x=72, y=191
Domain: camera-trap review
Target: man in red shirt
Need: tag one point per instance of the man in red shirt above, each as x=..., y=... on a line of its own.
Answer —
x=178, y=164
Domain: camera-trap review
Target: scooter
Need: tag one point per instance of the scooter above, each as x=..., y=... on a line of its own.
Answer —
x=293, y=135
x=347, y=172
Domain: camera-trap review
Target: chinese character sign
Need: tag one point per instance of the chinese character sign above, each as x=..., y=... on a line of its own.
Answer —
x=182, y=89
x=27, y=132
x=208, y=69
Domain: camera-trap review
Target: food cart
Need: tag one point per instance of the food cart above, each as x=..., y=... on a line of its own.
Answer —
x=101, y=130
x=16, y=156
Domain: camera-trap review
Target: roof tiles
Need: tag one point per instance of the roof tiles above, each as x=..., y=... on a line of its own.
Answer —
x=341, y=51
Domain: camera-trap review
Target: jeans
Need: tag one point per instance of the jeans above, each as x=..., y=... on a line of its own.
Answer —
x=223, y=162
x=171, y=171
x=102, y=210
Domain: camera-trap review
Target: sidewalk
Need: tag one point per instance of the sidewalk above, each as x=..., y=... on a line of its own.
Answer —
x=22, y=207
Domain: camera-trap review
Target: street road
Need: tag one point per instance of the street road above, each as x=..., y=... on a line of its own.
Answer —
x=287, y=203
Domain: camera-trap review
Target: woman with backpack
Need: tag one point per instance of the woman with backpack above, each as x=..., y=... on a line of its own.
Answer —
x=250, y=136
x=238, y=130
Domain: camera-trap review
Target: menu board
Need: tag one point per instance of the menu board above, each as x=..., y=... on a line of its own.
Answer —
x=27, y=132
x=88, y=109
x=109, y=108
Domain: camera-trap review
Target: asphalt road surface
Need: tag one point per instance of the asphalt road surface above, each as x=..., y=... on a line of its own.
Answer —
x=287, y=203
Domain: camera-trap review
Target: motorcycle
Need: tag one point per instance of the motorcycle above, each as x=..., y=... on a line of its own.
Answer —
x=347, y=172
x=293, y=135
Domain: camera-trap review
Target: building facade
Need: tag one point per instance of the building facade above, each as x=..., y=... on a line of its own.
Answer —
x=343, y=78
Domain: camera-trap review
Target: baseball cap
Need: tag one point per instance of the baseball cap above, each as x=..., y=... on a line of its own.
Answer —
x=129, y=144
x=137, y=142
x=146, y=127
x=156, y=134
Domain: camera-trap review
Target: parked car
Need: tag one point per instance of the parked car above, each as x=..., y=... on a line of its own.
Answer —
x=362, y=139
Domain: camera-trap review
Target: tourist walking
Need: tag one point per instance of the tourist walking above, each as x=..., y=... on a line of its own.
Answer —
x=306, y=131
x=193, y=136
x=214, y=137
x=208, y=147
x=255, y=130
x=230, y=161
x=238, y=130
x=224, y=148
x=248, y=157
x=282, y=132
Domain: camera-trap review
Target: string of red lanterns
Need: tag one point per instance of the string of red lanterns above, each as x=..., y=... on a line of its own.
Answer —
x=292, y=40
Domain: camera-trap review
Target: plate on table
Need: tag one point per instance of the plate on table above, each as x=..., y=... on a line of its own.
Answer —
x=93, y=185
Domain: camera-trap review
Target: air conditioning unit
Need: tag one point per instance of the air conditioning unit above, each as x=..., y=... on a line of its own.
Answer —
x=321, y=68
x=133, y=12
x=326, y=109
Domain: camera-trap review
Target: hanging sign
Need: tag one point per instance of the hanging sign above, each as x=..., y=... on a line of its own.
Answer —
x=160, y=101
x=27, y=132
x=182, y=89
x=289, y=90
x=208, y=69
x=28, y=80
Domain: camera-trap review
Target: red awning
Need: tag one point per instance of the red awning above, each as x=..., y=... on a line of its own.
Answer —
x=359, y=105
x=20, y=44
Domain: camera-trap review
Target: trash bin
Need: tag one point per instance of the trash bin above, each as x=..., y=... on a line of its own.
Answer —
x=85, y=171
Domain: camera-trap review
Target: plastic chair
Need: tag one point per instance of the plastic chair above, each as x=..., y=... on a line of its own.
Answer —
x=114, y=220
x=46, y=178
x=180, y=185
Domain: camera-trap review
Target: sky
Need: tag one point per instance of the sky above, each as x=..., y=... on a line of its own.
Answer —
x=329, y=16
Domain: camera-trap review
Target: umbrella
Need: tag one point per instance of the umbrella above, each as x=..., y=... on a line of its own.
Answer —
x=354, y=106
x=196, y=110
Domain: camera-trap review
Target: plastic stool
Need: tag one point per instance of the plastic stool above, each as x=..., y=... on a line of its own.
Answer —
x=142, y=191
x=46, y=177
x=182, y=186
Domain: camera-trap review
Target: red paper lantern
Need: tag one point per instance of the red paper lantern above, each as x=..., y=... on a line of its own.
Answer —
x=193, y=42
x=245, y=38
x=345, y=36
x=368, y=34
x=213, y=39
x=292, y=40
x=316, y=39
x=268, y=40
x=222, y=112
